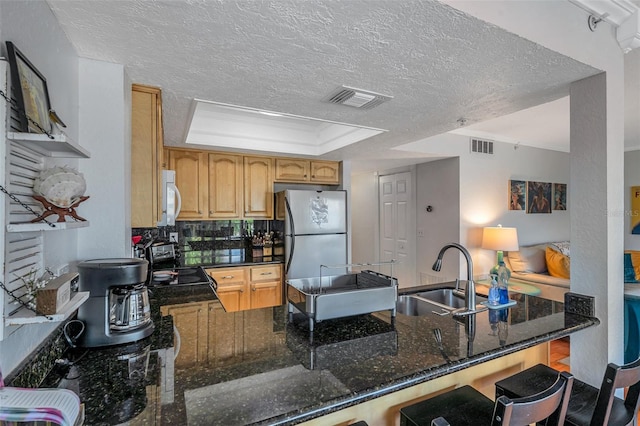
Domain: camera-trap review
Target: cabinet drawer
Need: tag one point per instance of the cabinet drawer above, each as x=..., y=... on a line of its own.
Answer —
x=228, y=275
x=265, y=273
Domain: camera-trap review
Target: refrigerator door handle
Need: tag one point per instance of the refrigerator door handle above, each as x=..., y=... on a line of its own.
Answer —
x=292, y=235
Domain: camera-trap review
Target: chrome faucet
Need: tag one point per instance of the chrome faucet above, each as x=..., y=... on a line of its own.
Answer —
x=470, y=290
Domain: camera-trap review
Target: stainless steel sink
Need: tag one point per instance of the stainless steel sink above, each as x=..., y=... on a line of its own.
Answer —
x=414, y=306
x=449, y=297
x=439, y=301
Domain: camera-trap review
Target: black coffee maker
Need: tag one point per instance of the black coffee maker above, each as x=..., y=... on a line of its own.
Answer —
x=117, y=310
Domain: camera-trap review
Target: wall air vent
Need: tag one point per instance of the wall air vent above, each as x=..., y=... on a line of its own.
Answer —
x=481, y=146
x=356, y=98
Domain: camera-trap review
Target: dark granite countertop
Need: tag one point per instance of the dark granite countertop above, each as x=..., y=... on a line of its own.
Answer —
x=256, y=367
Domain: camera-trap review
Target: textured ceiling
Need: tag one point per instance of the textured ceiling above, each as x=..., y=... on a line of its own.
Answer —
x=438, y=63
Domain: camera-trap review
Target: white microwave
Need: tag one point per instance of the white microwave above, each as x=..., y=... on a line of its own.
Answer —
x=171, y=201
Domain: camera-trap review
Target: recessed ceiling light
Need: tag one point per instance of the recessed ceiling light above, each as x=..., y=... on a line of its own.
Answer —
x=221, y=125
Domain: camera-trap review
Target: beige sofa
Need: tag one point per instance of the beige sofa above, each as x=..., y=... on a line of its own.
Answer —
x=529, y=265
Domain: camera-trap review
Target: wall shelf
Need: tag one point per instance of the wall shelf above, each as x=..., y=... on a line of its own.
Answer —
x=58, y=147
x=41, y=226
x=25, y=316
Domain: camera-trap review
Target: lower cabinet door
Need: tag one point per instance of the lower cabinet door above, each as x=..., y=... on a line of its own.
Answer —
x=266, y=294
x=233, y=297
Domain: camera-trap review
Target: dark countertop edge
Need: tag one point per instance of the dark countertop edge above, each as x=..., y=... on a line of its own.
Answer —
x=320, y=410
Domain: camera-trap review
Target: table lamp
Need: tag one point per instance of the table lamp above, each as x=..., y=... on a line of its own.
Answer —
x=499, y=239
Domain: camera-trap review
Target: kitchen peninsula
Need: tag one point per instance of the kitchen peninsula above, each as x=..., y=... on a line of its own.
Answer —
x=261, y=369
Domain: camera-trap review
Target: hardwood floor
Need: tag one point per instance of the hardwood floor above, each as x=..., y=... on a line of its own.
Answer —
x=559, y=354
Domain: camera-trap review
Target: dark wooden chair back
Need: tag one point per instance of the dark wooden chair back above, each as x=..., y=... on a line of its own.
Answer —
x=550, y=405
x=618, y=377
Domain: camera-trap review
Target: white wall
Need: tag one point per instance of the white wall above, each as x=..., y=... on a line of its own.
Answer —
x=106, y=132
x=438, y=186
x=483, y=192
x=364, y=217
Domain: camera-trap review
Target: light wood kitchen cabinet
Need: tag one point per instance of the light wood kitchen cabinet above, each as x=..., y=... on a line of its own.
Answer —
x=192, y=179
x=146, y=156
x=281, y=209
x=225, y=186
x=266, y=286
x=258, y=187
x=248, y=287
x=218, y=185
x=307, y=171
x=325, y=172
x=292, y=170
x=232, y=287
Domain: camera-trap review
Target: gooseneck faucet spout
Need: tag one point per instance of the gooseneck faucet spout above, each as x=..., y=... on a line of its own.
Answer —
x=470, y=291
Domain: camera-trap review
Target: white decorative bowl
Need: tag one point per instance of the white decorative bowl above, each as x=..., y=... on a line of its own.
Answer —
x=61, y=186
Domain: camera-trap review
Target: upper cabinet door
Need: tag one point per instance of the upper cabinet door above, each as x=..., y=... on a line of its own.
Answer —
x=325, y=172
x=291, y=170
x=146, y=156
x=258, y=187
x=192, y=181
x=225, y=186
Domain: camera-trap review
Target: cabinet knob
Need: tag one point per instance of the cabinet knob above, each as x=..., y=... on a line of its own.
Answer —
x=305, y=175
x=242, y=290
x=199, y=212
x=313, y=176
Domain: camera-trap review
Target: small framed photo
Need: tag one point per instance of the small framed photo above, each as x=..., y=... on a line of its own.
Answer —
x=30, y=92
x=538, y=197
x=517, y=195
x=559, y=196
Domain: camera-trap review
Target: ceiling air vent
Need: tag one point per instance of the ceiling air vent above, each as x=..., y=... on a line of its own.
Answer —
x=481, y=146
x=356, y=98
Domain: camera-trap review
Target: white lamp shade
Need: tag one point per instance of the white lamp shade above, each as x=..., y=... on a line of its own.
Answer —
x=499, y=238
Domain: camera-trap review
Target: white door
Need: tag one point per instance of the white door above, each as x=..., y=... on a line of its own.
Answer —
x=398, y=225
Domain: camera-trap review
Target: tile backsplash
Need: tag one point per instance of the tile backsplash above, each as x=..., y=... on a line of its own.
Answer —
x=218, y=239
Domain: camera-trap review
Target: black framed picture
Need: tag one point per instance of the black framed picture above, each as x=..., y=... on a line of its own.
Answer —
x=30, y=92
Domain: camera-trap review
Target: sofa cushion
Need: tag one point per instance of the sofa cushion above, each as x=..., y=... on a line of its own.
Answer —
x=529, y=259
x=558, y=264
x=563, y=247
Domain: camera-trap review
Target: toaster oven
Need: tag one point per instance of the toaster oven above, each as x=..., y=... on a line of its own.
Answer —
x=161, y=253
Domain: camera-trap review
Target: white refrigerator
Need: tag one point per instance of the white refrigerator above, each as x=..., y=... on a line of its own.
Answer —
x=315, y=232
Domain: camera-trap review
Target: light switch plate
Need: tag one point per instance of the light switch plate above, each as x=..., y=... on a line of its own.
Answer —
x=173, y=237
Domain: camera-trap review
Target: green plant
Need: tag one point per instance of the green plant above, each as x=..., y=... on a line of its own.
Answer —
x=31, y=285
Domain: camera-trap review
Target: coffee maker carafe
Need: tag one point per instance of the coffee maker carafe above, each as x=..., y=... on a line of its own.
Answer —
x=117, y=310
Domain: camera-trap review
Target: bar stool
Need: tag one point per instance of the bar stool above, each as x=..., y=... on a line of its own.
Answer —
x=588, y=406
x=467, y=406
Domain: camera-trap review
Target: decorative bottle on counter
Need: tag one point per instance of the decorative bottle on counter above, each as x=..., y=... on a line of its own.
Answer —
x=494, y=294
x=503, y=283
